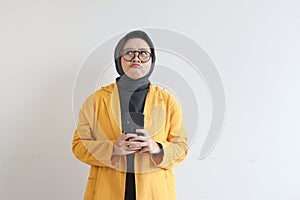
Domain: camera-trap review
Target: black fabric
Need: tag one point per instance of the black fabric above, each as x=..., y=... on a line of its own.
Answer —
x=130, y=193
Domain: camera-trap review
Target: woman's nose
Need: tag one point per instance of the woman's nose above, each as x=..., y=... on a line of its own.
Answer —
x=136, y=57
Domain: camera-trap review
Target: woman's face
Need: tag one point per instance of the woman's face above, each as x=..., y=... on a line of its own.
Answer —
x=134, y=68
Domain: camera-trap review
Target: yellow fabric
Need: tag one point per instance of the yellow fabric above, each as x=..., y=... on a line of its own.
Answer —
x=100, y=125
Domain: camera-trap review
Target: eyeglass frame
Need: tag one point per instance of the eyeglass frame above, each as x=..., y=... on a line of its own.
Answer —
x=138, y=51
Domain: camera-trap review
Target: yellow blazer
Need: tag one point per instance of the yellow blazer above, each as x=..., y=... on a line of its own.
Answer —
x=99, y=126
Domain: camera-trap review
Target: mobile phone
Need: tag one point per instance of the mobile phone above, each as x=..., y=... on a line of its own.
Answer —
x=133, y=121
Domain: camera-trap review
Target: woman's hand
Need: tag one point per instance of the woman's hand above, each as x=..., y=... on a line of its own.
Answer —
x=147, y=144
x=123, y=145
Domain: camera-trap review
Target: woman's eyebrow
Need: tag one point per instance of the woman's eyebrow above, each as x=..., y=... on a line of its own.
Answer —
x=132, y=49
x=145, y=49
x=128, y=49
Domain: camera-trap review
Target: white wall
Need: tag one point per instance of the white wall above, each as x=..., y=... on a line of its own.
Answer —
x=254, y=44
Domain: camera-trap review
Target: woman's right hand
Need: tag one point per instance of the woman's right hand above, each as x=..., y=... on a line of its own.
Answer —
x=123, y=147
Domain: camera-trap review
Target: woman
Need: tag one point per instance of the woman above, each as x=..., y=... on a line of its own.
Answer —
x=131, y=132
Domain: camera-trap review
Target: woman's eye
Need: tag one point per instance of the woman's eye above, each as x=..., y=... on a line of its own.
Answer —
x=128, y=52
x=143, y=53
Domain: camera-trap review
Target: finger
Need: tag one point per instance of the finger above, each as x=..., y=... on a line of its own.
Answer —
x=129, y=148
x=131, y=143
x=133, y=146
x=121, y=142
x=130, y=135
x=139, y=138
x=144, y=144
x=142, y=131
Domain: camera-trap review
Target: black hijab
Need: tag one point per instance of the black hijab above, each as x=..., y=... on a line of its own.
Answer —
x=132, y=92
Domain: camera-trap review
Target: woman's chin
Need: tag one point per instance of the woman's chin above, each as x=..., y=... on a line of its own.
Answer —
x=135, y=76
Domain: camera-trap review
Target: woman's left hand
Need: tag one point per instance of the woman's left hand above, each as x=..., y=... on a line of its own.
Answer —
x=148, y=144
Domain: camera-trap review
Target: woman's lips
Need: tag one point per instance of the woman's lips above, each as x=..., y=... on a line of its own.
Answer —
x=135, y=65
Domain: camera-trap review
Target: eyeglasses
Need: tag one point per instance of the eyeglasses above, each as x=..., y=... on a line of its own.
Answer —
x=143, y=55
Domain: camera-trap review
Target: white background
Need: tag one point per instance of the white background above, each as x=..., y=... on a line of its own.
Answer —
x=254, y=44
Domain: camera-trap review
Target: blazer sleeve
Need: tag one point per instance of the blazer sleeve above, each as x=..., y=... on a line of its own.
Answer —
x=175, y=147
x=90, y=145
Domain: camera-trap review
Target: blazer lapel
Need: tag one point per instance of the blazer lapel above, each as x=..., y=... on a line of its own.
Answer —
x=112, y=104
